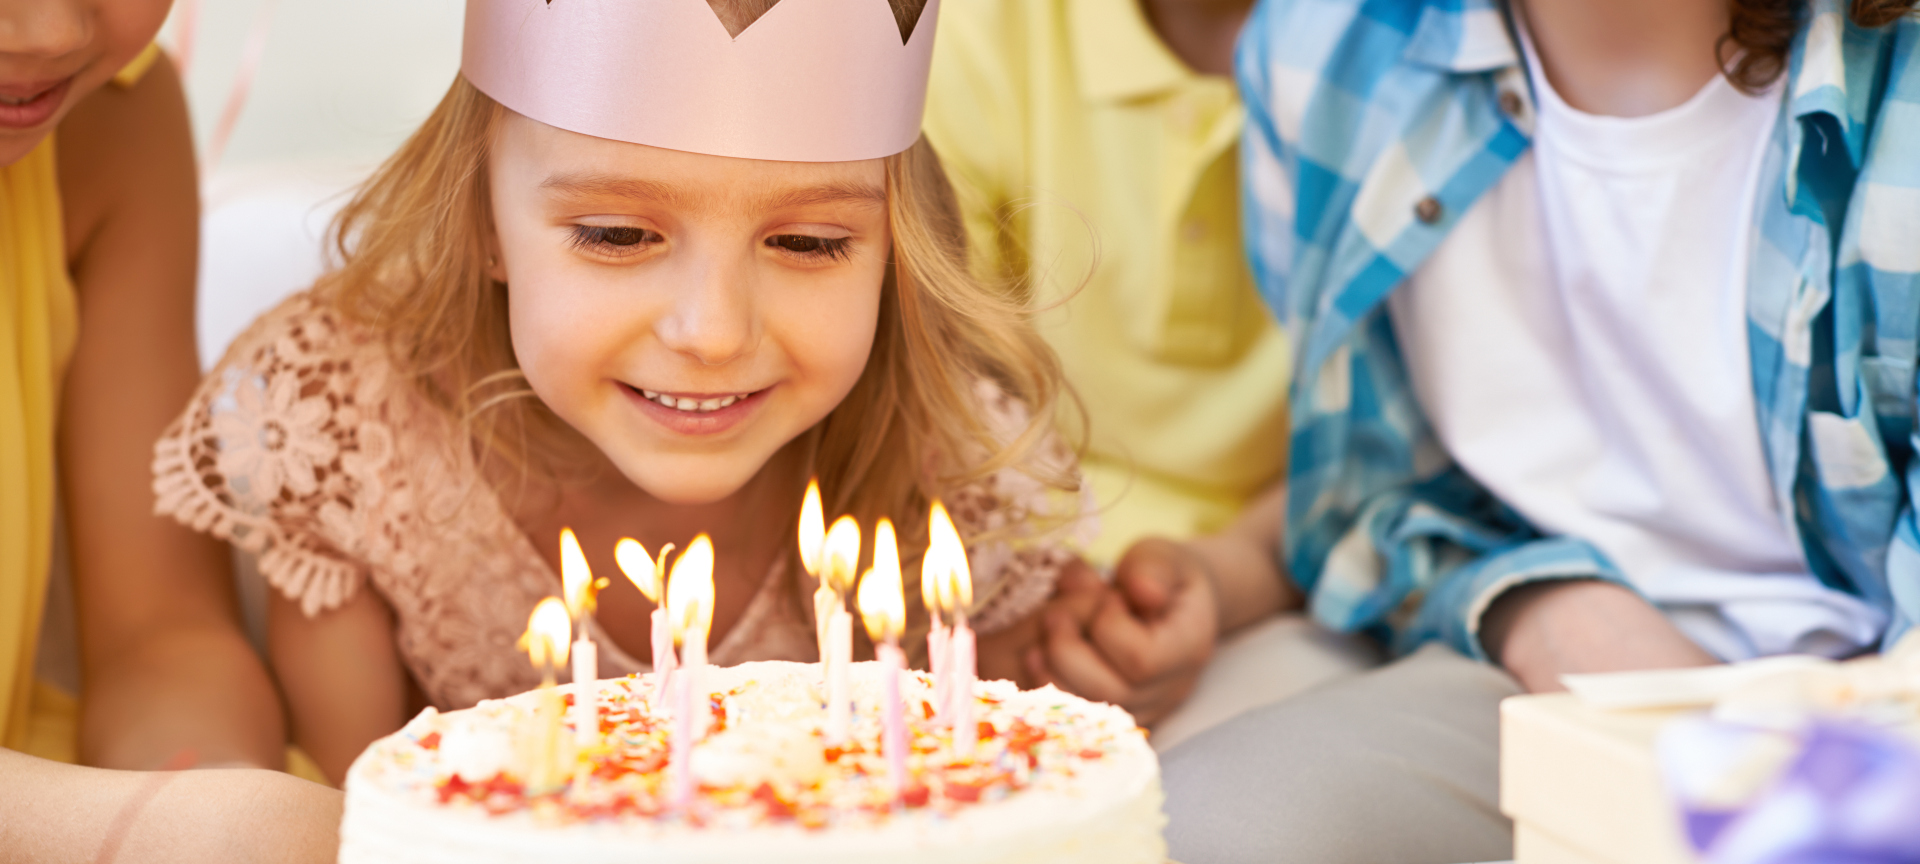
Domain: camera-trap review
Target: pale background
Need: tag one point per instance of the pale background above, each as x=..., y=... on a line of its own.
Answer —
x=340, y=84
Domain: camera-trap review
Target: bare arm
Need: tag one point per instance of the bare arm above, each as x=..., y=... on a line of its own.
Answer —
x=166, y=665
x=342, y=675
x=64, y=813
x=1244, y=562
x=1546, y=629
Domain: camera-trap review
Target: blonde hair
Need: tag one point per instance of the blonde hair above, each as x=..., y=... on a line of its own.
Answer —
x=415, y=245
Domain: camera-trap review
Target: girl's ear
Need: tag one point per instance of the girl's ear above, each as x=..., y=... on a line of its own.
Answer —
x=496, y=269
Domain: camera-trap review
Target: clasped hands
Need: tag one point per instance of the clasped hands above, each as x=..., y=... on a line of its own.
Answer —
x=1139, y=642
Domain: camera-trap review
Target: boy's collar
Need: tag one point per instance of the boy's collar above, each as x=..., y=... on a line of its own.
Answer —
x=1472, y=36
x=1817, y=73
x=1116, y=53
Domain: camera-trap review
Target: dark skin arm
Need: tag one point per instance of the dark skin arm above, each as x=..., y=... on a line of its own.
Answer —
x=1543, y=630
x=167, y=666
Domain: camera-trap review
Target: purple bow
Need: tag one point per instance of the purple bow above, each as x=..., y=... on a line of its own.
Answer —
x=1851, y=795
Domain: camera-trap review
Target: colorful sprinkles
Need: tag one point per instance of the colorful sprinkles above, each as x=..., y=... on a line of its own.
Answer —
x=626, y=775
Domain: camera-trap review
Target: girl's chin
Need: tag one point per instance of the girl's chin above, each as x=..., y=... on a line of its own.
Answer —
x=693, y=482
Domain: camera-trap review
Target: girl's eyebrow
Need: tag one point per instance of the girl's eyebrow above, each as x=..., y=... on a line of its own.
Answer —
x=832, y=193
x=607, y=186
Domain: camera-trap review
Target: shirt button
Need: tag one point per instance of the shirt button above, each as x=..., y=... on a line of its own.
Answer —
x=1194, y=230
x=1511, y=103
x=1428, y=210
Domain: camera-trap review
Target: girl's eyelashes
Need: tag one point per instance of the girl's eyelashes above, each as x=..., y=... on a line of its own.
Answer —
x=613, y=240
x=810, y=246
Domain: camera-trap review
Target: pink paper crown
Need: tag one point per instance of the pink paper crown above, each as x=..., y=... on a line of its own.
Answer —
x=808, y=81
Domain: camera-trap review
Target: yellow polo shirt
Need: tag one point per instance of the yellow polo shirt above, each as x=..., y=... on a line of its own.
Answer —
x=1083, y=149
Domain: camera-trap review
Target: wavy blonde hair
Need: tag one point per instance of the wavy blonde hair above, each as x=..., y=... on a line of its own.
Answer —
x=414, y=248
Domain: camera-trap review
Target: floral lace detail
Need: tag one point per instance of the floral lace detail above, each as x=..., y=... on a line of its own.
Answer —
x=1034, y=527
x=306, y=449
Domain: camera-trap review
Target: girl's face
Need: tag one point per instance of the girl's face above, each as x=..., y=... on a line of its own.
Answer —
x=54, y=52
x=689, y=314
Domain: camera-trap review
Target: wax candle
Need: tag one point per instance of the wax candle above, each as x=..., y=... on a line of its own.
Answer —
x=542, y=749
x=812, y=536
x=954, y=592
x=579, y=590
x=883, y=607
x=960, y=688
x=839, y=668
x=690, y=614
x=939, y=644
x=840, y=554
x=650, y=576
x=933, y=580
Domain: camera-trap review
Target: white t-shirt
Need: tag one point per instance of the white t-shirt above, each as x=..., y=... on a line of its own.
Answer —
x=1579, y=342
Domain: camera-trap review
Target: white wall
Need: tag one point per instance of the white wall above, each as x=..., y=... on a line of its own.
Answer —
x=341, y=80
x=340, y=85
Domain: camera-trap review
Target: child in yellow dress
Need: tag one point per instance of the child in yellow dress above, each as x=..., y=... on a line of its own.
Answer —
x=98, y=217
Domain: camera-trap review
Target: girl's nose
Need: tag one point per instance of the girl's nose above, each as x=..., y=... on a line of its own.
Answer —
x=712, y=317
x=43, y=28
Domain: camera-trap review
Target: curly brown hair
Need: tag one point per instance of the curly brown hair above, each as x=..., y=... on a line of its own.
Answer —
x=1760, y=35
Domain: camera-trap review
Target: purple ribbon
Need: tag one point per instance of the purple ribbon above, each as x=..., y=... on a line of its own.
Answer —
x=1850, y=796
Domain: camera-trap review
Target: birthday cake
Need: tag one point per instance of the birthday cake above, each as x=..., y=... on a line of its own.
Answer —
x=1051, y=778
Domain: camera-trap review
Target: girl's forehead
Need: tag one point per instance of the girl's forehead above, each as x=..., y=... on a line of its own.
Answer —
x=563, y=164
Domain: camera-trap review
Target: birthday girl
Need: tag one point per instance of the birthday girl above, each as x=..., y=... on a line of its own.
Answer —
x=583, y=295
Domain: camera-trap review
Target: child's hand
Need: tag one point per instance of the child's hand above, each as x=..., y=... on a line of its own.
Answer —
x=1140, y=643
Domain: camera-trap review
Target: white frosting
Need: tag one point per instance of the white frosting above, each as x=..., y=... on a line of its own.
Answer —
x=1105, y=809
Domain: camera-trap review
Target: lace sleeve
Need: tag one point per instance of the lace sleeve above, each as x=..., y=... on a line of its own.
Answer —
x=1029, y=530
x=277, y=450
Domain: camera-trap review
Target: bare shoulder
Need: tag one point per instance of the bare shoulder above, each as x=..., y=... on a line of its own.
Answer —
x=127, y=164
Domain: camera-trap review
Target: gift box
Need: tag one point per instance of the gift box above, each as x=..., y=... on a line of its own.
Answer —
x=1787, y=759
x=1583, y=786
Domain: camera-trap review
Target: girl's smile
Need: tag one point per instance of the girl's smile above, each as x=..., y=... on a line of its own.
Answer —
x=697, y=413
x=25, y=106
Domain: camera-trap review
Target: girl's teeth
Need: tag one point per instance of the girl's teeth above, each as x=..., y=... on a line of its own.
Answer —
x=700, y=406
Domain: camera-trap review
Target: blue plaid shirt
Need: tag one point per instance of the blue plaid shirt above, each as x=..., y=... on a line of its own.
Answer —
x=1375, y=124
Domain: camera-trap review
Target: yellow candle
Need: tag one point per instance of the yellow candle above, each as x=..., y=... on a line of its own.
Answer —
x=543, y=750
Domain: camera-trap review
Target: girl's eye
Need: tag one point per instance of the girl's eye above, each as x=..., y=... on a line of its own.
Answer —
x=613, y=239
x=834, y=248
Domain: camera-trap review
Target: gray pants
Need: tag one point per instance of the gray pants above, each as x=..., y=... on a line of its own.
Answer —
x=1399, y=765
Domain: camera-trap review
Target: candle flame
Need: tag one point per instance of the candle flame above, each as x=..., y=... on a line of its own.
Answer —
x=576, y=578
x=549, y=635
x=883, y=605
x=690, y=593
x=813, y=529
x=841, y=555
x=951, y=574
x=646, y=574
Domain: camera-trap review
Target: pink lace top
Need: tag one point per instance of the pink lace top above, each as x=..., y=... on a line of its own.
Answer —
x=305, y=447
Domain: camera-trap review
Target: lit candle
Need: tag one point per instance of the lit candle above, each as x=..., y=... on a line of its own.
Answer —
x=932, y=579
x=841, y=557
x=812, y=536
x=542, y=749
x=883, y=607
x=579, y=589
x=690, y=614
x=955, y=593
x=650, y=576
